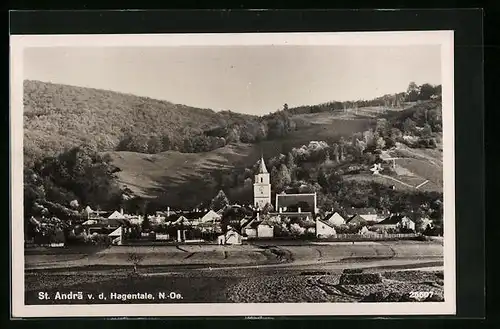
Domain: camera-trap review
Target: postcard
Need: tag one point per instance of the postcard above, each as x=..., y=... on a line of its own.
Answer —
x=256, y=174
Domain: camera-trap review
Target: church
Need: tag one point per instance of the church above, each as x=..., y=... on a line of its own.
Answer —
x=299, y=204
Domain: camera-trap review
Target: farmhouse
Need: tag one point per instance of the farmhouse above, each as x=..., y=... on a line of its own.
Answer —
x=356, y=220
x=104, y=226
x=396, y=221
x=117, y=236
x=299, y=202
x=368, y=214
x=231, y=237
x=256, y=228
x=265, y=230
x=210, y=217
x=335, y=219
x=324, y=229
x=117, y=214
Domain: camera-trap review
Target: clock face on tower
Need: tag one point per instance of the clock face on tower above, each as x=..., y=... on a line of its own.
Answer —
x=261, y=190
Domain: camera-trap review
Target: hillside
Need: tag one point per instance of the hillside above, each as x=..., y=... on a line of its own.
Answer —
x=58, y=117
x=181, y=156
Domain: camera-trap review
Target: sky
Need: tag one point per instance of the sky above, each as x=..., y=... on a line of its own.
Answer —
x=248, y=79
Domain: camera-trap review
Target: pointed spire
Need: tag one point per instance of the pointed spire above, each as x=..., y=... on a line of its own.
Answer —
x=262, y=166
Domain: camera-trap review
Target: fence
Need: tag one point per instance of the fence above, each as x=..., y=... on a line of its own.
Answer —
x=371, y=237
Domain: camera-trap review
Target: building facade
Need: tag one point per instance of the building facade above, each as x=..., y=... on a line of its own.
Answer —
x=262, y=187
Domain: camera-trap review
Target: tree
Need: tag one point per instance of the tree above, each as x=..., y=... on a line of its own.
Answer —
x=409, y=126
x=285, y=107
x=380, y=143
x=74, y=204
x=426, y=91
x=342, y=149
x=135, y=259
x=220, y=201
x=336, y=153
x=426, y=131
x=267, y=209
x=412, y=92
x=283, y=178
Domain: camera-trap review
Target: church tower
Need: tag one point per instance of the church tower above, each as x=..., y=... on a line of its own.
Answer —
x=262, y=187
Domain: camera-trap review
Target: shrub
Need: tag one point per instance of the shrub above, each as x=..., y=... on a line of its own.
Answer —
x=360, y=278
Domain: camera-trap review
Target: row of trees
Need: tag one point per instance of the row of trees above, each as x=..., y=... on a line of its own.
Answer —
x=413, y=93
x=252, y=130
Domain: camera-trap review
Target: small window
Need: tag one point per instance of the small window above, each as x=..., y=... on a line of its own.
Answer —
x=261, y=180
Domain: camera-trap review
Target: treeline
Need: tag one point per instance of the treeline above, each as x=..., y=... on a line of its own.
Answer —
x=413, y=93
x=63, y=184
x=229, y=130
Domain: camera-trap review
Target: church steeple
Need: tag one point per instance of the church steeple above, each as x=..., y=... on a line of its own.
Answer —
x=262, y=186
x=262, y=166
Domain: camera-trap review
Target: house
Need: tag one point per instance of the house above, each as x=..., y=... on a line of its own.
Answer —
x=324, y=229
x=182, y=220
x=250, y=228
x=103, y=226
x=210, y=217
x=135, y=220
x=365, y=231
x=117, y=236
x=231, y=237
x=265, y=230
x=293, y=215
x=406, y=223
x=368, y=214
x=257, y=228
x=116, y=214
x=396, y=221
x=335, y=219
x=356, y=220
x=298, y=202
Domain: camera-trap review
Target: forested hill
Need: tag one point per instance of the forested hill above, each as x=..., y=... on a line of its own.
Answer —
x=58, y=117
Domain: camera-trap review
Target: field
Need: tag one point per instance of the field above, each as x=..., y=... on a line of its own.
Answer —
x=247, y=273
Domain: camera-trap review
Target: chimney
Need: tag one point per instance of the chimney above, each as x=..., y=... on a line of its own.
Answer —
x=258, y=217
x=121, y=211
x=299, y=210
x=281, y=210
x=168, y=211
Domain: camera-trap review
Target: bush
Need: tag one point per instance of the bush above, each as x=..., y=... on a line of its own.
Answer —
x=380, y=296
x=360, y=278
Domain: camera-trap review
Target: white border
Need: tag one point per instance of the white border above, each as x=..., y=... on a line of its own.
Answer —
x=19, y=42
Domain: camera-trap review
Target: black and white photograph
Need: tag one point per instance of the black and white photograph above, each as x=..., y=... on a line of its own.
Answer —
x=233, y=174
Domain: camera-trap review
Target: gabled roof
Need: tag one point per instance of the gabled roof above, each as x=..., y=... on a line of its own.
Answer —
x=266, y=222
x=116, y=232
x=329, y=216
x=391, y=220
x=326, y=223
x=356, y=219
x=181, y=219
x=247, y=221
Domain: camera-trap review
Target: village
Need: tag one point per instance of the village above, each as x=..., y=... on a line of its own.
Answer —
x=293, y=216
